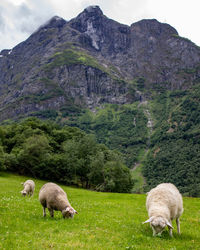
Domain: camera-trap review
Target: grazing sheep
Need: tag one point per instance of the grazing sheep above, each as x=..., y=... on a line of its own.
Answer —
x=29, y=187
x=53, y=197
x=164, y=203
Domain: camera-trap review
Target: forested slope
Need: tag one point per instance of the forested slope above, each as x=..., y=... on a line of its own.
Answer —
x=175, y=144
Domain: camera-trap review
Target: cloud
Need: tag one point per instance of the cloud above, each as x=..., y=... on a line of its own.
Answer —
x=2, y=23
x=18, y=21
x=124, y=11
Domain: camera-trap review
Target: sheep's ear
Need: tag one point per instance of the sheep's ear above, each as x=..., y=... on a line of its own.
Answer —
x=169, y=225
x=149, y=220
x=67, y=209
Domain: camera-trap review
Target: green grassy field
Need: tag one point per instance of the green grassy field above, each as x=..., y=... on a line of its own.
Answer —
x=105, y=221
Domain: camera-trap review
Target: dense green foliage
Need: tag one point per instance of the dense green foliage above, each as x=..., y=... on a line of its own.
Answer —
x=121, y=127
x=104, y=221
x=175, y=145
x=64, y=154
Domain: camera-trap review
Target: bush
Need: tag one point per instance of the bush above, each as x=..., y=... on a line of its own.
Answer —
x=116, y=178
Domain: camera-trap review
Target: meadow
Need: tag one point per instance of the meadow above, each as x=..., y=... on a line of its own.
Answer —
x=104, y=221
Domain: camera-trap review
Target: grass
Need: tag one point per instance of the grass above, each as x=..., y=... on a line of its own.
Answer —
x=105, y=221
x=71, y=56
x=138, y=179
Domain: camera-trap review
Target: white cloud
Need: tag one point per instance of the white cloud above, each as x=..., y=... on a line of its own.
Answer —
x=183, y=15
x=20, y=18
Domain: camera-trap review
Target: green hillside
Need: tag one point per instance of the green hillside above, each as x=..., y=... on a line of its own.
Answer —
x=105, y=221
x=120, y=127
x=169, y=152
x=174, y=154
x=114, y=136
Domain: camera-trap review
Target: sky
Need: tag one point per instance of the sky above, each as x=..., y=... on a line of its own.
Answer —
x=20, y=18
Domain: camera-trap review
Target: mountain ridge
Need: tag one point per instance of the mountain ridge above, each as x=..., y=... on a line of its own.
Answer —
x=113, y=60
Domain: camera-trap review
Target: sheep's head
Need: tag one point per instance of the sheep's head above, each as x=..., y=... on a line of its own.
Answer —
x=23, y=192
x=158, y=224
x=68, y=212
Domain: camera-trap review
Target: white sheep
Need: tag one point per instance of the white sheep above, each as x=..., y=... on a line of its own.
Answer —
x=29, y=187
x=53, y=197
x=164, y=203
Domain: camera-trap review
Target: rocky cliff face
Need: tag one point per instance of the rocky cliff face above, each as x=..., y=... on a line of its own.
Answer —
x=92, y=60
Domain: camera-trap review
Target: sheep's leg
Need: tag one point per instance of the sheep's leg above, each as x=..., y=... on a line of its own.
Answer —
x=170, y=229
x=51, y=212
x=44, y=211
x=154, y=231
x=178, y=225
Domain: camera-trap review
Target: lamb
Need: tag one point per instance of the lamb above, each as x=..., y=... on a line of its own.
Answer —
x=53, y=197
x=29, y=187
x=164, y=203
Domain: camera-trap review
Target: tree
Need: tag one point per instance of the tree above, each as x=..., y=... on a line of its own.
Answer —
x=117, y=178
x=81, y=151
x=33, y=156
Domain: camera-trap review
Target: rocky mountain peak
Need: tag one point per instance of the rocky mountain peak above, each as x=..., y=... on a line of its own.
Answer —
x=153, y=27
x=93, y=10
x=54, y=22
x=90, y=22
x=91, y=15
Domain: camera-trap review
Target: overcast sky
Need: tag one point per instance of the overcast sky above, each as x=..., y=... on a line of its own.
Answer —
x=20, y=18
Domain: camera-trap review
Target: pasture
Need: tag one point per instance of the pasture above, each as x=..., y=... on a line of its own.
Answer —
x=104, y=221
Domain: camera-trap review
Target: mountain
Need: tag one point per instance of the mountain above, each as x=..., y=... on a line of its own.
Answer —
x=91, y=60
x=135, y=87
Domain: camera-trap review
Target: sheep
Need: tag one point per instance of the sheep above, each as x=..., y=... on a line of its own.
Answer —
x=53, y=197
x=29, y=187
x=164, y=203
